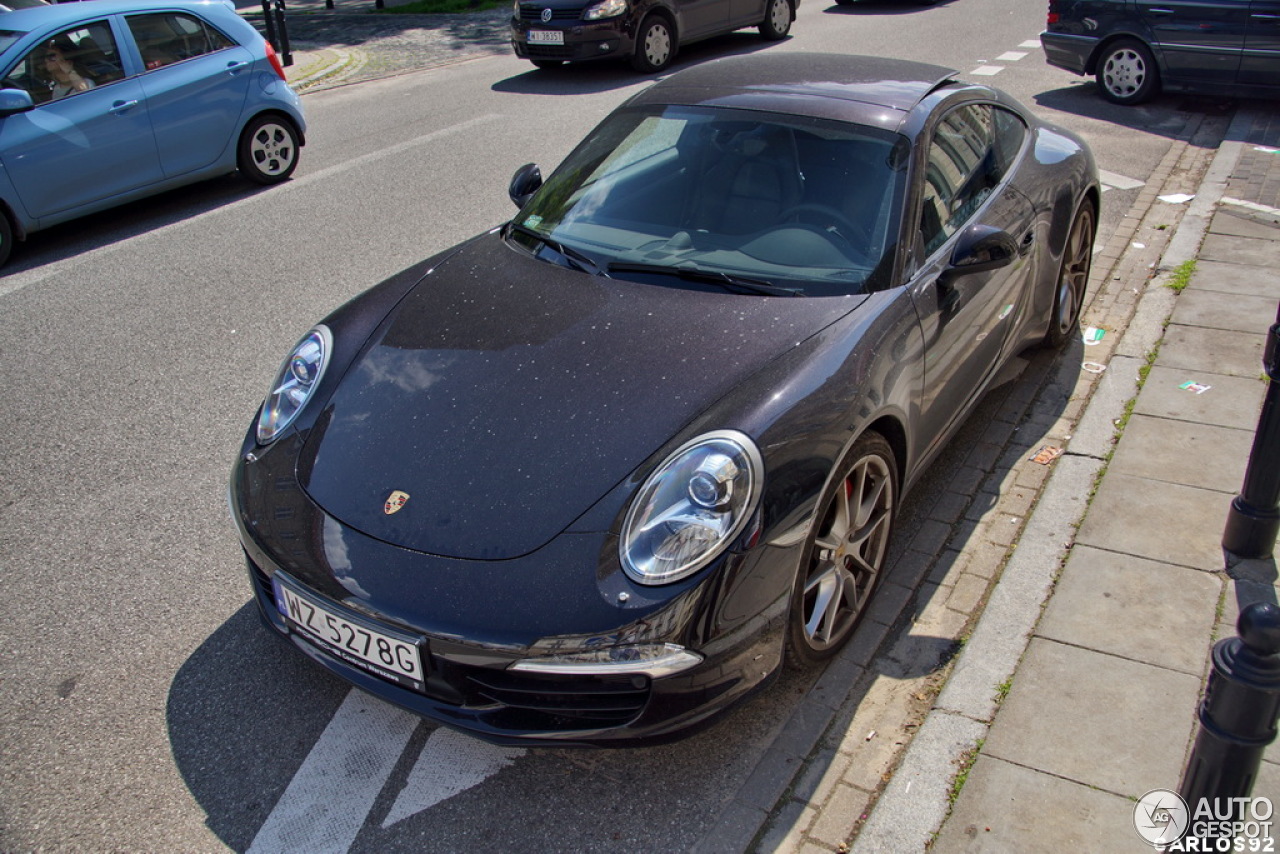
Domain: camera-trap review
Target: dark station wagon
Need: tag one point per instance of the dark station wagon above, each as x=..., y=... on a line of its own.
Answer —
x=1136, y=48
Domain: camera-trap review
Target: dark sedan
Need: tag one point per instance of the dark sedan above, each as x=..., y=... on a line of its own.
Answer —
x=1136, y=48
x=550, y=33
x=593, y=475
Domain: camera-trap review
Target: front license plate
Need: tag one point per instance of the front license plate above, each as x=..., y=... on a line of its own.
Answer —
x=386, y=653
x=546, y=37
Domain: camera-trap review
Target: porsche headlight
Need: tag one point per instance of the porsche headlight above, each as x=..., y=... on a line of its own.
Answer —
x=605, y=9
x=296, y=381
x=691, y=507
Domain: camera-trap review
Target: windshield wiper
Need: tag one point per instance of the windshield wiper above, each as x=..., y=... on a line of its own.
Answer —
x=732, y=283
x=577, y=260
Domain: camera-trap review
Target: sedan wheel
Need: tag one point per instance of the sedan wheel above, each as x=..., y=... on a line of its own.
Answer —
x=1127, y=73
x=268, y=151
x=845, y=555
x=655, y=46
x=1073, y=279
x=777, y=20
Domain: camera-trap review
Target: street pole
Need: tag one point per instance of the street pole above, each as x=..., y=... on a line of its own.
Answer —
x=1237, y=718
x=1254, y=518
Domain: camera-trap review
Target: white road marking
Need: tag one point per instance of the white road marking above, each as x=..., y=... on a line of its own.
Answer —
x=1112, y=181
x=328, y=800
x=986, y=70
x=1011, y=56
x=450, y=763
x=1031, y=44
x=17, y=281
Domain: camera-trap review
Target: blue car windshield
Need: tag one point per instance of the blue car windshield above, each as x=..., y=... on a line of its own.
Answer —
x=796, y=203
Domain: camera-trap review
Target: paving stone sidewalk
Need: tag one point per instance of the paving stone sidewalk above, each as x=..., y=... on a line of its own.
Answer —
x=1101, y=707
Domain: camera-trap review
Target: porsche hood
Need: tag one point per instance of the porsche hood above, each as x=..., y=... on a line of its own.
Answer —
x=504, y=396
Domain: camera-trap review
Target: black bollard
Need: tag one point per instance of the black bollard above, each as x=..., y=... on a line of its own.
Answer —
x=269, y=22
x=1254, y=519
x=1237, y=716
x=282, y=29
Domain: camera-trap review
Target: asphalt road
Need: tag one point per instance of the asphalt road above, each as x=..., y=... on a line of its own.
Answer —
x=141, y=706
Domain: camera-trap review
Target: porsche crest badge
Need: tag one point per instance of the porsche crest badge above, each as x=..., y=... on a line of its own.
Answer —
x=395, y=501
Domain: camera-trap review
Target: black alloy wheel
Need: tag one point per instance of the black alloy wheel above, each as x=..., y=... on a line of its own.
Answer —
x=844, y=556
x=1127, y=72
x=268, y=151
x=1073, y=279
x=655, y=45
x=777, y=20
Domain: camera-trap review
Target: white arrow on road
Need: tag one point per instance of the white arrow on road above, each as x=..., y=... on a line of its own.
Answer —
x=328, y=800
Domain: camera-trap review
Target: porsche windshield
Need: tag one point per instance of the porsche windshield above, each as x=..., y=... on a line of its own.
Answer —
x=800, y=204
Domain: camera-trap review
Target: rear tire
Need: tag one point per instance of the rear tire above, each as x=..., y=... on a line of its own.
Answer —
x=777, y=20
x=1073, y=279
x=844, y=555
x=1127, y=73
x=655, y=45
x=268, y=150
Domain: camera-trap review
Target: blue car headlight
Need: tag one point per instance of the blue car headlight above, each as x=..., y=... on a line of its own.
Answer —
x=295, y=383
x=691, y=507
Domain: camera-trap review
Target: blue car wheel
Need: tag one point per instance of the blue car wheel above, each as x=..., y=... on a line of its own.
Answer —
x=268, y=150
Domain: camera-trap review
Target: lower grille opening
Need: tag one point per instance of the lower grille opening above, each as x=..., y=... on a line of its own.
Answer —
x=558, y=702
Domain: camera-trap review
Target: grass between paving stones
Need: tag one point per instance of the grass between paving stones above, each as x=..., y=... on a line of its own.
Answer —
x=1181, y=276
x=431, y=7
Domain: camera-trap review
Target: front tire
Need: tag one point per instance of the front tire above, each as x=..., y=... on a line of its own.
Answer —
x=1073, y=279
x=655, y=46
x=1127, y=73
x=844, y=556
x=6, y=238
x=777, y=20
x=268, y=150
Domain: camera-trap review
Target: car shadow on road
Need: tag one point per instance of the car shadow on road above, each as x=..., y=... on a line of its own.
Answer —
x=106, y=228
x=245, y=711
x=1164, y=115
x=883, y=7
x=606, y=75
x=235, y=740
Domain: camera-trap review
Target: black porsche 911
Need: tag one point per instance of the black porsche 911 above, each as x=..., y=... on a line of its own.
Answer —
x=594, y=475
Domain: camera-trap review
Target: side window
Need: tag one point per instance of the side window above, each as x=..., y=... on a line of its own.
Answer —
x=168, y=37
x=71, y=62
x=972, y=149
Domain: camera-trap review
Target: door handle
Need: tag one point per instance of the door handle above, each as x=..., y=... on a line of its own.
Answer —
x=1160, y=11
x=236, y=66
x=123, y=106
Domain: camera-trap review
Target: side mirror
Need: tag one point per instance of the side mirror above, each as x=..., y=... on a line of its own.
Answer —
x=15, y=101
x=525, y=183
x=980, y=249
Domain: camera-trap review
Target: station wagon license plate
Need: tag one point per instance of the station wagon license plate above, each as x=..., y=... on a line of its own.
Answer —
x=392, y=655
x=546, y=37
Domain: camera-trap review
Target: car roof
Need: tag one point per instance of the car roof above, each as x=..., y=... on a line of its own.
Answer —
x=867, y=89
x=38, y=17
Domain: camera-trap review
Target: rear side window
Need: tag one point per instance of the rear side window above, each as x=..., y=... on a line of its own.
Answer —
x=71, y=62
x=971, y=151
x=169, y=37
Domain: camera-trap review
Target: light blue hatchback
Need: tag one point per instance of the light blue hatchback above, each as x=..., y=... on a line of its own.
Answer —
x=108, y=101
